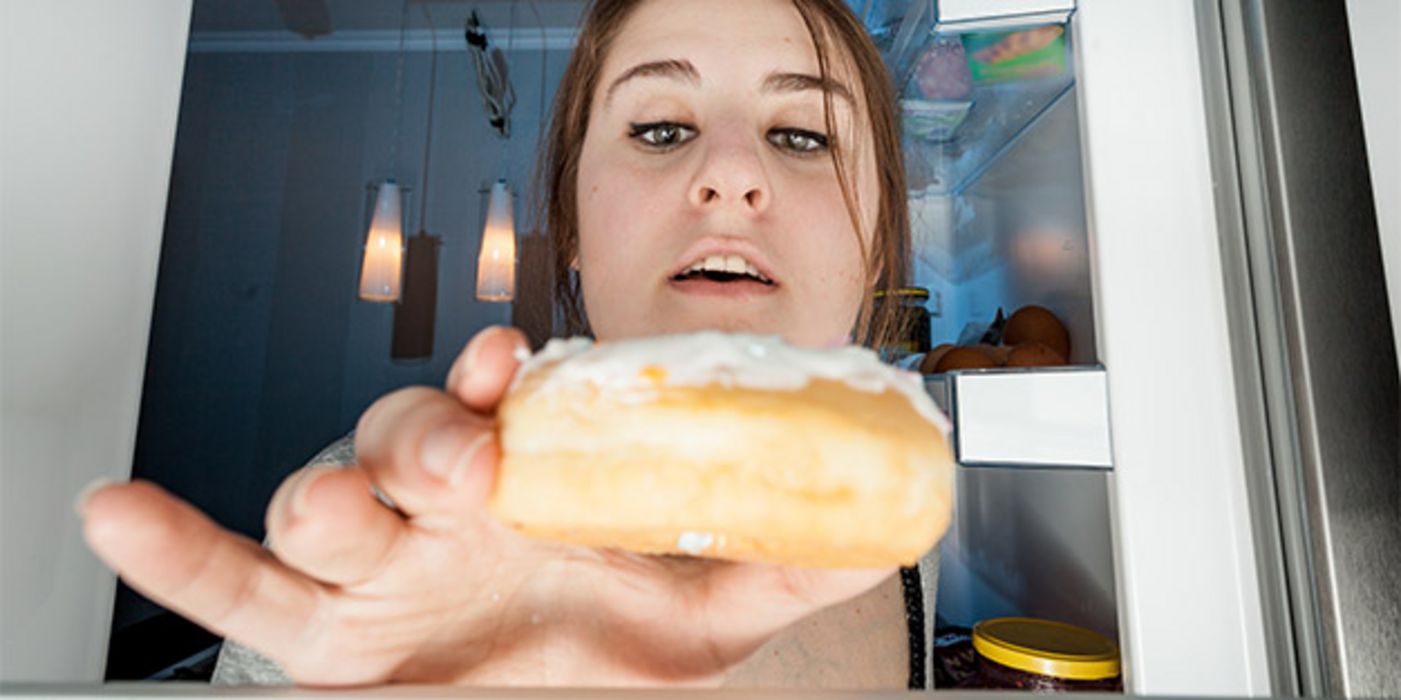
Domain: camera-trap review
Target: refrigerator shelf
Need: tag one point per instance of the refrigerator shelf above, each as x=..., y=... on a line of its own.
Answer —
x=901, y=27
x=950, y=140
x=1047, y=418
x=973, y=75
x=996, y=116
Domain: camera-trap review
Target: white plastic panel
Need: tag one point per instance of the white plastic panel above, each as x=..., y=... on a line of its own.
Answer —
x=1043, y=418
x=1190, y=617
x=1375, y=29
x=983, y=15
x=91, y=93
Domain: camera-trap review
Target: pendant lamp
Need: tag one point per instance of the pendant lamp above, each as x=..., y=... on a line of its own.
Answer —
x=382, y=260
x=382, y=265
x=496, y=262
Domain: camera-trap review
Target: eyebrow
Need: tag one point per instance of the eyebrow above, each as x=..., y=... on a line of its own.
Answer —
x=681, y=70
x=799, y=82
x=671, y=69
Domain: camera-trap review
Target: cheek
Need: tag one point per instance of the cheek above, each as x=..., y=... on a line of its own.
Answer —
x=603, y=200
x=823, y=226
x=826, y=244
x=618, y=255
x=615, y=198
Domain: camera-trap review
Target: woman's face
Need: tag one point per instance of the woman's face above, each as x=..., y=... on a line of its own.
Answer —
x=707, y=197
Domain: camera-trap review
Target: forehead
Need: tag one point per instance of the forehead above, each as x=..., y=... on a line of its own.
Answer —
x=721, y=37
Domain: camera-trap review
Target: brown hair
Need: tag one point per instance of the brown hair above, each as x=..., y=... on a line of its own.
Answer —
x=887, y=260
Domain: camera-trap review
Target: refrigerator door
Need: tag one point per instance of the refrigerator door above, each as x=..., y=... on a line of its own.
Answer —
x=1178, y=532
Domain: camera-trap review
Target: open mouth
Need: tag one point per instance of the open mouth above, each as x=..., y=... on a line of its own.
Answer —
x=725, y=269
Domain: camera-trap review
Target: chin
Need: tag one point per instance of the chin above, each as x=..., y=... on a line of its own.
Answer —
x=677, y=321
x=799, y=337
x=675, y=324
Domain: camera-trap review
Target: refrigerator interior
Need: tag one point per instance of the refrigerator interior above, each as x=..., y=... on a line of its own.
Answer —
x=997, y=205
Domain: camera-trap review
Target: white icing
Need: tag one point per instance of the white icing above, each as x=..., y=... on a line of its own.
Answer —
x=694, y=543
x=726, y=359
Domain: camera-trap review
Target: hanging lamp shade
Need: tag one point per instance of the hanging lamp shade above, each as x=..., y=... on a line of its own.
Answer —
x=496, y=263
x=383, y=264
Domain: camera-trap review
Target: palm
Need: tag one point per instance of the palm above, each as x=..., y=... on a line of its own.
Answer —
x=447, y=609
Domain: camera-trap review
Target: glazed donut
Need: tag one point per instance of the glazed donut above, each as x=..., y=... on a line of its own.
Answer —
x=727, y=446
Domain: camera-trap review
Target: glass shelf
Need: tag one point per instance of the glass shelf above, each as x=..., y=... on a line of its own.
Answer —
x=972, y=78
x=947, y=157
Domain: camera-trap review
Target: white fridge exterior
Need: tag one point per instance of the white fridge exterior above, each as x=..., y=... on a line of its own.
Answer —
x=1191, y=620
x=91, y=94
x=1241, y=316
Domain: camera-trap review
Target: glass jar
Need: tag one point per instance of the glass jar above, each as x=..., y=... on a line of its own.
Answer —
x=1022, y=653
x=911, y=321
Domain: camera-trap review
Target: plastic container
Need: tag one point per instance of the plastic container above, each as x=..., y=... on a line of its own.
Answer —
x=1022, y=653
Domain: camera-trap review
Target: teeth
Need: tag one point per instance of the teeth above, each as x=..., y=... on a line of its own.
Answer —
x=733, y=264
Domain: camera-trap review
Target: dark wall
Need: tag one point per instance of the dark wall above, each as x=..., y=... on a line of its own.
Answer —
x=260, y=353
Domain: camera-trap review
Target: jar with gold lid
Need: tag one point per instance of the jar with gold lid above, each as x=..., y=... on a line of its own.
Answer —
x=1022, y=653
x=911, y=319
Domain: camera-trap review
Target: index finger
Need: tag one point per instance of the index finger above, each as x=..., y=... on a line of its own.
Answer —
x=172, y=553
x=481, y=374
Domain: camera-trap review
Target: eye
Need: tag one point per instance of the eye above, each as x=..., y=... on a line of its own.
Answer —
x=662, y=136
x=798, y=141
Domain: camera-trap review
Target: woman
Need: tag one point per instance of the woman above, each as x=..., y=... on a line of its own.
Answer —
x=683, y=129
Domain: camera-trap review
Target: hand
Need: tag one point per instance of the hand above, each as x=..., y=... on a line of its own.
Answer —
x=353, y=592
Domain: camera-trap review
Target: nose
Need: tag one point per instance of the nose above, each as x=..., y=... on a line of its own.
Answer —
x=731, y=174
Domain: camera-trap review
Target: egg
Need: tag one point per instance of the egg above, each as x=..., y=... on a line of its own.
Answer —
x=931, y=358
x=966, y=358
x=1036, y=323
x=1034, y=354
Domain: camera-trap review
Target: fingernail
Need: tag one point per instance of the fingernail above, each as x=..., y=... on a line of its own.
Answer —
x=448, y=451
x=304, y=482
x=80, y=504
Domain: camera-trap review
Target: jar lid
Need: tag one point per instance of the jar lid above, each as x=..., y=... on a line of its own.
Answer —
x=917, y=292
x=1046, y=648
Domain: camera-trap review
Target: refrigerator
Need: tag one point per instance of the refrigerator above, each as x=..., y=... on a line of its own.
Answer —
x=1212, y=479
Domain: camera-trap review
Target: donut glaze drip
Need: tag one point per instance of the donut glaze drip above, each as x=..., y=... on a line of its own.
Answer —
x=631, y=370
